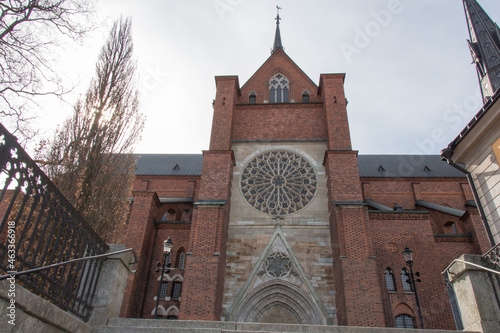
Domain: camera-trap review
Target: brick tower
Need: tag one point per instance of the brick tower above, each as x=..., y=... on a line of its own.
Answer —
x=281, y=117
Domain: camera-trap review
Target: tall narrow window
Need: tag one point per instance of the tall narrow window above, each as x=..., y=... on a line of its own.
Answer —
x=405, y=321
x=163, y=289
x=182, y=258
x=389, y=280
x=405, y=278
x=278, y=89
x=176, y=289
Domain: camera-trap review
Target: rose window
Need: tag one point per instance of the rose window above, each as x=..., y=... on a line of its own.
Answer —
x=278, y=183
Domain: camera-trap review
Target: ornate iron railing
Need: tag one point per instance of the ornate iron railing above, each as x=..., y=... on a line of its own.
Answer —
x=491, y=258
x=39, y=227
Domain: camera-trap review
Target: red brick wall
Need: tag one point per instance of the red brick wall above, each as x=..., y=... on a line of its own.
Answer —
x=430, y=258
x=166, y=186
x=179, y=234
x=279, y=122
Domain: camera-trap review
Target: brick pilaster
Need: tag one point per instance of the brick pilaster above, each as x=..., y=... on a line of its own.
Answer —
x=224, y=105
x=203, y=285
x=331, y=89
x=140, y=233
x=359, y=299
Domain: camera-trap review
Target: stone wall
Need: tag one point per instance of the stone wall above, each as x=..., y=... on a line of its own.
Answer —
x=34, y=314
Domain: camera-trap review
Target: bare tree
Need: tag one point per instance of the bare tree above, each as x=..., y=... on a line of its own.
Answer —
x=90, y=158
x=30, y=31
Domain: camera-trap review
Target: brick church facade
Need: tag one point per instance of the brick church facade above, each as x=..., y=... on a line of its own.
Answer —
x=282, y=221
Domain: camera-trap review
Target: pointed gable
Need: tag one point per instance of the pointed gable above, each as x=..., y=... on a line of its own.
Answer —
x=278, y=62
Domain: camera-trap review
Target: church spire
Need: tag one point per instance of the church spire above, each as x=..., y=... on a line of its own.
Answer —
x=277, y=37
x=484, y=46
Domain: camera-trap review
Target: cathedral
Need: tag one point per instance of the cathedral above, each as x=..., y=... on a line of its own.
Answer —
x=281, y=221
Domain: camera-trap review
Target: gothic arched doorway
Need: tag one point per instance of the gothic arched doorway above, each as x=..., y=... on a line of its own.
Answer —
x=278, y=301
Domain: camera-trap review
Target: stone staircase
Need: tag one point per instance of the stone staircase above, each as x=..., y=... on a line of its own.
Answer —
x=121, y=325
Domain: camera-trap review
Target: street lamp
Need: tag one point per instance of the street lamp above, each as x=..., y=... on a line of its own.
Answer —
x=408, y=257
x=167, y=247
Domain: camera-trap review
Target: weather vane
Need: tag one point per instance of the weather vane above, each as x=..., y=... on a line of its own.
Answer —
x=278, y=8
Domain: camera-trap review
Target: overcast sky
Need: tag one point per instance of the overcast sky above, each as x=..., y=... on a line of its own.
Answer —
x=409, y=79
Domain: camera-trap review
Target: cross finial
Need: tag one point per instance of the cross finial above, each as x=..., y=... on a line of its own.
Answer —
x=278, y=8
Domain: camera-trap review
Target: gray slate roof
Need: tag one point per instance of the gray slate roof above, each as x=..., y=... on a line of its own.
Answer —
x=426, y=166
x=384, y=166
x=168, y=164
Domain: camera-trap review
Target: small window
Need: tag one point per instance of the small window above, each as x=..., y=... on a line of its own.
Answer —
x=405, y=321
x=163, y=289
x=182, y=258
x=164, y=217
x=305, y=97
x=450, y=228
x=405, y=278
x=252, y=98
x=390, y=282
x=172, y=317
x=176, y=289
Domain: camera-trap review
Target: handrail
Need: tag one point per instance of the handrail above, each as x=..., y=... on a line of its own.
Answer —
x=469, y=263
x=38, y=269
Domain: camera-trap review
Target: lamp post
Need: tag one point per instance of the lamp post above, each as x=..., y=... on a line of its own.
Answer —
x=408, y=257
x=167, y=247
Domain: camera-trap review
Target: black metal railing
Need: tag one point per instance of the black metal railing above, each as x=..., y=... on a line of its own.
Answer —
x=39, y=227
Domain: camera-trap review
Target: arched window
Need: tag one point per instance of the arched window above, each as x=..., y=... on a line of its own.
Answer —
x=172, y=313
x=405, y=278
x=160, y=314
x=170, y=215
x=182, y=259
x=278, y=89
x=390, y=282
x=252, y=97
x=405, y=321
x=450, y=228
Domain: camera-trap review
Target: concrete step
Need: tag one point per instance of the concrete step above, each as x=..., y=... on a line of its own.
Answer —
x=129, y=325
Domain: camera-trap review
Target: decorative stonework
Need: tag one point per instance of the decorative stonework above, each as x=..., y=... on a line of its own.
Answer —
x=278, y=183
x=278, y=265
x=391, y=247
